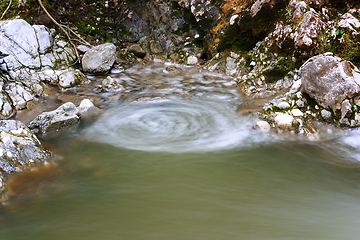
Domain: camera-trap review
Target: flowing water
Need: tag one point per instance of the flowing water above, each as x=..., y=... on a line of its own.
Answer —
x=175, y=157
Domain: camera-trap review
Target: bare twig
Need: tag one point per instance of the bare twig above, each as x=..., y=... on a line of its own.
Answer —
x=78, y=36
x=66, y=32
x=6, y=10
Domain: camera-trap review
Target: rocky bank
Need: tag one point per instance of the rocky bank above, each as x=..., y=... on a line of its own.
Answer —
x=302, y=56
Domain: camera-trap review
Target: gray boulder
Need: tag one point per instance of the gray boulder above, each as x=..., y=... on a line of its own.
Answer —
x=19, y=149
x=99, y=59
x=66, y=115
x=330, y=80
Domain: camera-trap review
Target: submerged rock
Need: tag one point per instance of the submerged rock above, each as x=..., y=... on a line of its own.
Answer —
x=66, y=115
x=99, y=59
x=19, y=149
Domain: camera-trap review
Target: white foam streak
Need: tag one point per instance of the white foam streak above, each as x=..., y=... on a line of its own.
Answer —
x=172, y=126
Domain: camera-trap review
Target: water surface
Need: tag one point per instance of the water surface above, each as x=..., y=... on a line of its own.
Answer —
x=178, y=159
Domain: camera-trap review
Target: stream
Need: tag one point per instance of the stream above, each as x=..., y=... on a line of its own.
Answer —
x=175, y=156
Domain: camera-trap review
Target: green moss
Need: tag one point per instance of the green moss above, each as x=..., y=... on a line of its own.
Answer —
x=283, y=66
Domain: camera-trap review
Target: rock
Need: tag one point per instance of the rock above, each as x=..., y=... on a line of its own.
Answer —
x=283, y=105
x=19, y=95
x=346, y=109
x=85, y=106
x=297, y=113
x=233, y=18
x=19, y=149
x=201, y=9
x=260, y=5
x=284, y=121
x=99, y=59
x=308, y=30
x=26, y=46
x=356, y=121
x=326, y=115
x=64, y=116
x=137, y=50
x=263, y=126
x=70, y=78
x=110, y=84
x=330, y=80
x=192, y=60
x=88, y=110
x=82, y=48
x=296, y=86
x=350, y=23
x=297, y=8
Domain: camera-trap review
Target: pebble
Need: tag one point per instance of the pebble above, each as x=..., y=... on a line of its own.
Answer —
x=297, y=113
x=192, y=60
x=263, y=126
x=325, y=114
x=283, y=105
x=284, y=121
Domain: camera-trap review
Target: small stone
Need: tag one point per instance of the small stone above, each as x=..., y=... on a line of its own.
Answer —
x=326, y=115
x=345, y=122
x=297, y=113
x=346, y=109
x=284, y=121
x=233, y=18
x=263, y=126
x=300, y=103
x=137, y=50
x=85, y=105
x=296, y=85
x=82, y=48
x=283, y=105
x=192, y=60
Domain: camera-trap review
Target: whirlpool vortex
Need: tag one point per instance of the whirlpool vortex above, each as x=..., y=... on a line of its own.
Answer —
x=171, y=125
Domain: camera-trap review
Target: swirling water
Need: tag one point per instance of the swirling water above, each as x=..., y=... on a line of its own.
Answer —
x=177, y=158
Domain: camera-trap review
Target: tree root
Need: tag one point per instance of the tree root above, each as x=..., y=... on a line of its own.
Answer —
x=6, y=10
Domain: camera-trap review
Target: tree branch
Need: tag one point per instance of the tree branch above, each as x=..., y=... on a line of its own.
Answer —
x=6, y=10
x=66, y=32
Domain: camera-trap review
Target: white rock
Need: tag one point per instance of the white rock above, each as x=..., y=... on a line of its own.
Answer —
x=43, y=37
x=192, y=60
x=263, y=126
x=296, y=85
x=283, y=105
x=297, y=113
x=70, y=78
x=284, y=121
x=82, y=48
x=23, y=35
x=325, y=114
x=233, y=18
x=86, y=105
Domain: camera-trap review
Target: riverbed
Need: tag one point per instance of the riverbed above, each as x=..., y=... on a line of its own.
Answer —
x=175, y=156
